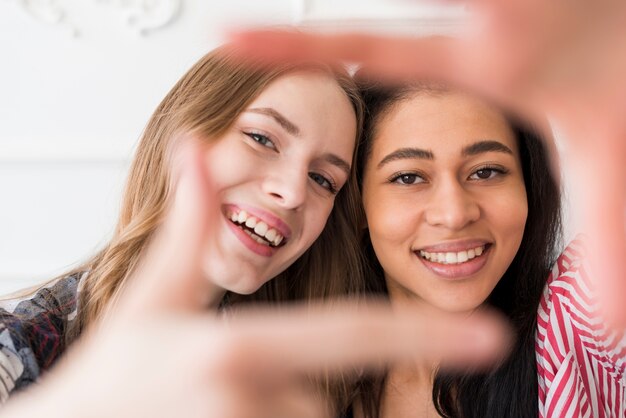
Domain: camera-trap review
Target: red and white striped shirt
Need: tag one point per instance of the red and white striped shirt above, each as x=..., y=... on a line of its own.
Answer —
x=581, y=365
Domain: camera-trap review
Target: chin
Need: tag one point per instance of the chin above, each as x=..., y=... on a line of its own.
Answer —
x=223, y=277
x=457, y=307
x=245, y=287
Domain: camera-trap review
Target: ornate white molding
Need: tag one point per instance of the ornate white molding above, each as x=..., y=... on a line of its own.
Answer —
x=49, y=12
x=147, y=16
x=141, y=16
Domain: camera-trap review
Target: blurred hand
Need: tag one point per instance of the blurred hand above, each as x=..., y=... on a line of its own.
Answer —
x=159, y=353
x=558, y=58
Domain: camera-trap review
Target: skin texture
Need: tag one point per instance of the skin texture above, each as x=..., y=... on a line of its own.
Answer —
x=539, y=58
x=284, y=177
x=448, y=203
x=251, y=365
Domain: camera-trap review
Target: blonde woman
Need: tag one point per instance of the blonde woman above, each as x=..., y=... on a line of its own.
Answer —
x=276, y=147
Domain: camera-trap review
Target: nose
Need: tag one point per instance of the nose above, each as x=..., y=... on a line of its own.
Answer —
x=288, y=188
x=452, y=207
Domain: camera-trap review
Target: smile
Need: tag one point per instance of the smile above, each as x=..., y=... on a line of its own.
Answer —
x=455, y=257
x=458, y=264
x=257, y=229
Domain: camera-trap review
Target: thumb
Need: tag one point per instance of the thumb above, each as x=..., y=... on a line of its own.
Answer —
x=169, y=275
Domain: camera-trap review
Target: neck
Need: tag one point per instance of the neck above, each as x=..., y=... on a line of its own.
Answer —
x=409, y=386
x=213, y=296
x=408, y=392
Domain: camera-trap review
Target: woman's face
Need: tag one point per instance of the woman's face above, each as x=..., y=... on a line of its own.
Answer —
x=445, y=199
x=276, y=173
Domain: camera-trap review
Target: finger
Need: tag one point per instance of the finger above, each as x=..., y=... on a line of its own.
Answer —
x=169, y=275
x=276, y=345
x=605, y=224
x=395, y=59
x=487, y=68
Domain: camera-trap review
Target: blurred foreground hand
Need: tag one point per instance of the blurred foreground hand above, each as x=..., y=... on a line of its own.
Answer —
x=160, y=354
x=559, y=58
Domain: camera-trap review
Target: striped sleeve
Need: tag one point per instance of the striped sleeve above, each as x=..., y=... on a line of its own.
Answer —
x=580, y=364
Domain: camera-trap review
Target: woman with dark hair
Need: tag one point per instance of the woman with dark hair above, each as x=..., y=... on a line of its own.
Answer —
x=463, y=211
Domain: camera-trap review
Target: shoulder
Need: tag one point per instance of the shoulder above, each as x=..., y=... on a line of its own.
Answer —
x=569, y=284
x=578, y=358
x=568, y=295
x=570, y=304
x=32, y=331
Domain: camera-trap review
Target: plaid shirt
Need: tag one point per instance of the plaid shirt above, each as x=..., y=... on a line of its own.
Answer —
x=33, y=332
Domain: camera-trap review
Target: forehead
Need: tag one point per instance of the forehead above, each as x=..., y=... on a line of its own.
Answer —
x=443, y=123
x=314, y=102
x=303, y=90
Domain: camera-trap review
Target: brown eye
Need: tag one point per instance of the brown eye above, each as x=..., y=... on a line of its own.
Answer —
x=488, y=173
x=484, y=174
x=407, y=179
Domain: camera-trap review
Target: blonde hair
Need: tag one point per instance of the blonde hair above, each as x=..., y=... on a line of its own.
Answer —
x=206, y=101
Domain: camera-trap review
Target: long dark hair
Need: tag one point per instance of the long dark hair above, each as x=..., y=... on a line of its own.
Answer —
x=511, y=390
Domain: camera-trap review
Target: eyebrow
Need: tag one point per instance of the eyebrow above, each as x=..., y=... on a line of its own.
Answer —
x=485, y=146
x=338, y=162
x=407, y=154
x=422, y=154
x=285, y=123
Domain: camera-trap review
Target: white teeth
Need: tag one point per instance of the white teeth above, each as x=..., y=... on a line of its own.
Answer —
x=271, y=235
x=264, y=234
x=257, y=239
x=260, y=228
x=261, y=241
x=453, y=257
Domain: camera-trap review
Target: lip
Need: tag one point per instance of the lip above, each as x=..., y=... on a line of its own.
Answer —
x=271, y=220
x=456, y=271
x=252, y=245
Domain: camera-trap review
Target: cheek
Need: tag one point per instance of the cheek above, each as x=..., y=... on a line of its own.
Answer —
x=390, y=221
x=509, y=213
x=391, y=229
x=220, y=168
x=314, y=222
x=217, y=160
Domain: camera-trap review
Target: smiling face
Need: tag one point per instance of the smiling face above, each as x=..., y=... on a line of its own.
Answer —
x=445, y=200
x=276, y=173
